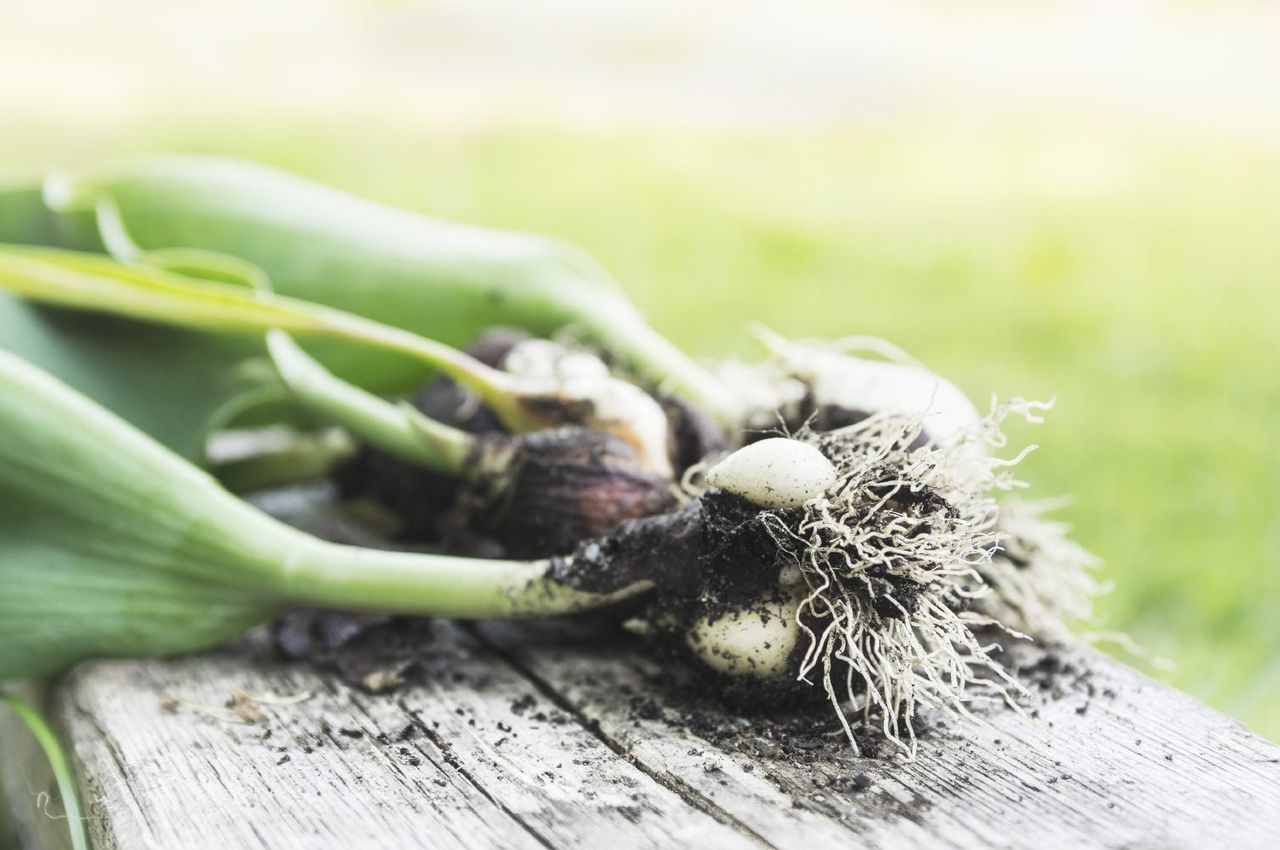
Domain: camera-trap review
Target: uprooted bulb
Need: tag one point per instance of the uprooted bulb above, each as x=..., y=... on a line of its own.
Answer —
x=774, y=473
x=757, y=640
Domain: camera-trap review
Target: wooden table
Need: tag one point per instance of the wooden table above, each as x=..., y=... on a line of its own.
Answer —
x=567, y=735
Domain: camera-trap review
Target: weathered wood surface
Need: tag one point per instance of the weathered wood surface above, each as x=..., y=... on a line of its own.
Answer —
x=568, y=736
x=515, y=738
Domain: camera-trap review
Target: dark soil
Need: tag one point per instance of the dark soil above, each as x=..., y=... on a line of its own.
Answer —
x=715, y=552
x=695, y=436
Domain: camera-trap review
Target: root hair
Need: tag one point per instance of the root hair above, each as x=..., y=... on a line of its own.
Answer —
x=895, y=559
x=1041, y=580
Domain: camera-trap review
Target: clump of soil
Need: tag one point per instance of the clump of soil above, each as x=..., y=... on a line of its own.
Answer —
x=373, y=653
x=716, y=551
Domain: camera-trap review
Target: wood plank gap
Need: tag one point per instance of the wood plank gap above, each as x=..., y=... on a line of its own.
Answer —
x=440, y=744
x=671, y=783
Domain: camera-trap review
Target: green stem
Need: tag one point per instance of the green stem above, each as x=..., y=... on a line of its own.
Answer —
x=652, y=355
x=353, y=578
x=62, y=773
x=399, y=429
x=306, y=459
x=497, y=389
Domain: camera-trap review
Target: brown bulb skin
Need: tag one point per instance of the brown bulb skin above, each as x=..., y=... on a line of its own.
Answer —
x=566, y=485
x=694, y=436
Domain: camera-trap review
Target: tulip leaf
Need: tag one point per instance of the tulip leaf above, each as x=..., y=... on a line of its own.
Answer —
x=438, y=279
x=174, y=384
x=110, y=544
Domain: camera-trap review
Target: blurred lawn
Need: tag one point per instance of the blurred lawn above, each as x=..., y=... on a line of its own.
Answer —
x=1136, y=280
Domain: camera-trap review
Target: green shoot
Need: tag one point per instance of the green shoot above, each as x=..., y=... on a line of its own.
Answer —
x=91, y=282
x=397, y=428
x=59, y=764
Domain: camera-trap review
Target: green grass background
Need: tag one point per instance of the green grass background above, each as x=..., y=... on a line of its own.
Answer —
x=1135, y=278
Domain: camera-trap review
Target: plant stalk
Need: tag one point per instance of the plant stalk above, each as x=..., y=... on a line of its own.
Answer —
x=330, y=575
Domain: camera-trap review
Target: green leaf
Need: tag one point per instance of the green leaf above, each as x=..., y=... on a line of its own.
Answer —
x=25, y=219
x=438, y=279
x=521, y=403
x=176, y=385
x=112, y=545
x=91, y=282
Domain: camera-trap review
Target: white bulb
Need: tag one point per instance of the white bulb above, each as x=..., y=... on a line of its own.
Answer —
x=546, y=360
x=753, y=642
x=613, y=405
x=774, y=473
x=872, y=386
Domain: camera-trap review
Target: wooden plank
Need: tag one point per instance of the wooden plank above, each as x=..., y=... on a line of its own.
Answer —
x=605, y=745
x=463, y=759
x=1106, y=758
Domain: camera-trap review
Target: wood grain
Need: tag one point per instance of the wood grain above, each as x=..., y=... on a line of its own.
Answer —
x=1105, y=758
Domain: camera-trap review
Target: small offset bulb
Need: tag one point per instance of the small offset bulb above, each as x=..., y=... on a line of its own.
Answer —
x=579, y=385
x=872, y=386
x=755, y=641
x=776, y=473
x=540, y=358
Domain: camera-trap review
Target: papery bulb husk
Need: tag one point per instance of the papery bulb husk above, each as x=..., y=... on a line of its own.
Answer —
x=563, y=486
x=695, y=436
